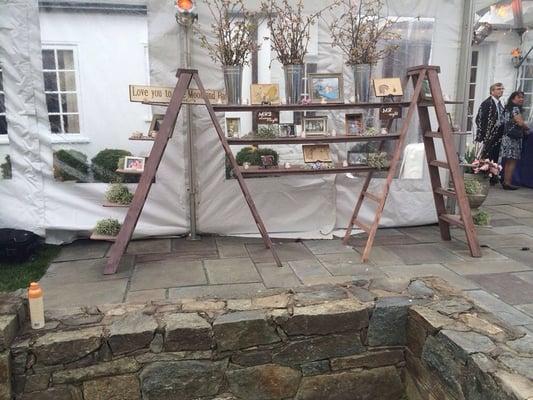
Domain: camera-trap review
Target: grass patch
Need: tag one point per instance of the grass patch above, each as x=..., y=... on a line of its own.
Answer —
x=19, y=275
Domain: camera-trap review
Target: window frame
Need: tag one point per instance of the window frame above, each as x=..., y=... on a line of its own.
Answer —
x=63, y=137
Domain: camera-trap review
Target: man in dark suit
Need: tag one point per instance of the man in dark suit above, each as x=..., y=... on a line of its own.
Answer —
x=489, y=121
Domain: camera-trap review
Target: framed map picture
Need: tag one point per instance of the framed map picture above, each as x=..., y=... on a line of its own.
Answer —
x=264, y=93
x=326, y=88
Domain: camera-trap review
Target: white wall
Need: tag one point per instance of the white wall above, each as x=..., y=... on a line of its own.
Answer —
x=112, y=54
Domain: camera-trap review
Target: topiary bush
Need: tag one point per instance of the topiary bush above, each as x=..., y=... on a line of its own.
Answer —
x=253, y=155
x=481, y=218
x=118, y=193
x=107, y=227
x=6, y=168
x=70, y=165
x=104, y=166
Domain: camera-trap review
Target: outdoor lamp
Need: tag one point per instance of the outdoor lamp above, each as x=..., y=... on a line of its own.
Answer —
x=185, y=14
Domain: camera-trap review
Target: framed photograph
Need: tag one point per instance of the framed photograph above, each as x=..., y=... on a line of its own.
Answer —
x=287, y=130
x=354, y=125
x=157, y=120
x=264, y=93
x=384, y=87
x=233, y=127
x=134, y=164
x=357, y=158
x=426, y=91
x=316, y=153
x=267, y=161
x=326, y=87
x=315, y=125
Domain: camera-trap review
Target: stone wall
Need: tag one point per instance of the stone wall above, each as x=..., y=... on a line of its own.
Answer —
x=368, y=340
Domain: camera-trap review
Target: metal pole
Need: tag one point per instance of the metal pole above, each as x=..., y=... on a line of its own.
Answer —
x=190, y=136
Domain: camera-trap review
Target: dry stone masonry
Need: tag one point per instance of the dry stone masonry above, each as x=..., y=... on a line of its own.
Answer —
x=386, y=340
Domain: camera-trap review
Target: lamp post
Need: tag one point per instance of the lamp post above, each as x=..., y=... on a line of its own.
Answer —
x=185, y=17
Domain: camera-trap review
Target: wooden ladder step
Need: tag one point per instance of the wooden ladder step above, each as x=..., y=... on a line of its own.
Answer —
x=364, y=227
x=452, y=219
x=371, y=196
x=439, y=164
x=446, y=192
x=433, y=134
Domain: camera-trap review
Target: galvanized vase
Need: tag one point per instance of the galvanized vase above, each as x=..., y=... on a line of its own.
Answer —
x=294, y=75
x=233, y=83
x=361, y=76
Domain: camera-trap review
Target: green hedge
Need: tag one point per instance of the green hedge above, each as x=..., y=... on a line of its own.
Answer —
x=253, y=155
x=104, y=166
x=70, y=165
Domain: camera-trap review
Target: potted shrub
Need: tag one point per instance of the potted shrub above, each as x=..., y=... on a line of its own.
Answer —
x=289, y=38
x=356, y=28
x=118, y=193
x=70, y=165
x=234, y=28
x=104, y=166
x=107, y=227
x=477, y=180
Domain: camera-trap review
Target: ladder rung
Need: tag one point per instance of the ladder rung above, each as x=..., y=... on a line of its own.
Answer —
x=364, y=227
x=440, y=164
x=433, y=134
x=462, y=133
x=372, y=197
x=452, y=219
x=444, y=192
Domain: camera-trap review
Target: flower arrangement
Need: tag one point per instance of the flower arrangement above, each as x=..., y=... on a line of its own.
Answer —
x=289, y=29
x=234, y=27
x=118, y=193
x=107, y=227
x=358, y=30
x=486, y=167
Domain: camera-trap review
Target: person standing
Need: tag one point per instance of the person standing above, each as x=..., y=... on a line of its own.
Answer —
x=489, y=121
x=515, y=128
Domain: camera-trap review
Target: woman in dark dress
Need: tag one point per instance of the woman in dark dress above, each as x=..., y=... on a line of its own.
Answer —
x=511, y=145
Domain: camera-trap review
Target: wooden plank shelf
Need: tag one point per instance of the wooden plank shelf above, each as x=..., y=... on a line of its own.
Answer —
x=115, y=205
x=314, y=139
x=105, y=238
x=128, y=171
x=144, y=138
x=255, y=171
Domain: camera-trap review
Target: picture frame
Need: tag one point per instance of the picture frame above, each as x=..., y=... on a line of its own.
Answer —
x=261, y=93
x=354, y=124
x=357, y=158
x=134, y=164
x=233, y=127
x=315, y=126
x=316, y=153
x=267, y=161
x=328, y=88
x=155, y=124
x=384, y=87
x=287, y=130
x=425, y=93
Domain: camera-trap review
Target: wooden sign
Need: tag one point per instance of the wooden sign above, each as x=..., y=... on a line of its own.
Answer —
x=162, y=95
x=390, y=112
x=316, y=153
x=268, y=117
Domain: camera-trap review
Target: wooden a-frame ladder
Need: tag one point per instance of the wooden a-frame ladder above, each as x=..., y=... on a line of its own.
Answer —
x=464, y=219
x=185, y=76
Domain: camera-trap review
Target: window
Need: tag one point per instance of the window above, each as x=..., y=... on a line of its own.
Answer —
x=472, y=90
x=61, y=91
x=525, y=84
x=3, y=121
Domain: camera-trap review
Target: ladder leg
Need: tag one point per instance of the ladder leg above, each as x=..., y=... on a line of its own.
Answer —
x=451, y=155
x=357, y=208
x=147, y=177
x=240, y=179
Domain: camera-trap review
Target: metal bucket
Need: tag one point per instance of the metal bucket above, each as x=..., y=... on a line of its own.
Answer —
x=293, y=82
x=361, y=76
x=233, y=83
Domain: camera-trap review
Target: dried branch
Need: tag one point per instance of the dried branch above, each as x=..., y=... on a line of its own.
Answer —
x=234, y=28
x=359, y=29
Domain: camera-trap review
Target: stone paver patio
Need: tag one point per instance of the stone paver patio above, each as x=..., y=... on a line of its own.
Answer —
x=229, y=267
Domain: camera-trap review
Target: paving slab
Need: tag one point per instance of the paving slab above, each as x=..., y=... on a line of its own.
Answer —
x=343, y=264
x=501, y=222
x=423, y=254
x=527, y=308
x=231, y=270
x=82, y=271
x=83, y=250
x=149, y=246
x=169, y=273
x=525, y=276
x=417, y=271
x=423, y=234
x=513, y=229
x=287, y=251
x=326, y=246
x=507, y=287
x=525, y=206
x=504, y=311
x=487, y=254
x=276, y=277
x=84, y=294
x=518, y=254
x=308, y=268
x=381, y=255
x=146, y=296
x=511, y=210
x=327, y=280
x=184, y=245
x=485, y=267
x=220, y=291
x=396, y=237
x=231, y=250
